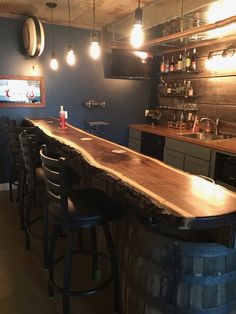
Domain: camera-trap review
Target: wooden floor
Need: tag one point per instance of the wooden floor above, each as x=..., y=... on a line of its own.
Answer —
x=23, y=282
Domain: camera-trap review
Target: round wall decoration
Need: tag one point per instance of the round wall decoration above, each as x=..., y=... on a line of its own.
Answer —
x=33, y=36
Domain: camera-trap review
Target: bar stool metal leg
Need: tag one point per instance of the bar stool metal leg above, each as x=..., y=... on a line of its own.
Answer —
x=115, y=270
x=67, y=273
x=51, y=252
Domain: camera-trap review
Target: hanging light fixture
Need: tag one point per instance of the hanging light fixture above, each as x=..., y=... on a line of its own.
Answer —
x=53, y=62
x=70, y=57
x=94, y=49
x=137, y=35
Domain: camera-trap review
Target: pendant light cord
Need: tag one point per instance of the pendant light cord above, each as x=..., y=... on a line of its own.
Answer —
x=52, y=29
x=138, y=3
x=69, y=16
x=94, y=21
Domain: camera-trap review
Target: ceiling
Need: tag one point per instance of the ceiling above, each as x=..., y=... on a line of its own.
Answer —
x=166, y=22
x=107, y=11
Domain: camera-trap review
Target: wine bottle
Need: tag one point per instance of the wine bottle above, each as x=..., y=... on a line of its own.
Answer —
x=163, y=63
x=194, y=60
x=172, y=64
x=188, y=62
x=167, y=68
x=180, y=63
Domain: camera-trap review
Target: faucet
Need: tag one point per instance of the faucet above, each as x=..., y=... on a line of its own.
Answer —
x=215, y=123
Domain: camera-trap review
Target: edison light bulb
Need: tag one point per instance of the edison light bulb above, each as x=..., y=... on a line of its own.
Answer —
x=70, y=58
x=54, y=64
x=94, y=50
x=137, y=36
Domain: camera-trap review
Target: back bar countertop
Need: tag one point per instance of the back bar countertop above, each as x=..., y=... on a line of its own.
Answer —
x=195, y=202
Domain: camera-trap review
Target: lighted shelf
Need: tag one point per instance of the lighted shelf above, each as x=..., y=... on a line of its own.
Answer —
x=179, y=96
x=177, y=108
x=179, y=73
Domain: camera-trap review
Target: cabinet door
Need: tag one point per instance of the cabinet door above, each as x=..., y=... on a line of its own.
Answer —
x=173, y=158
x=135, y=144
x=196, y=166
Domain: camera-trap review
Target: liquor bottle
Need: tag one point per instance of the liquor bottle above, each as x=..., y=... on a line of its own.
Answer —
x=167, y=67
x=184, y=88
x=169, y=89
x=164, y=90
x=194, y=60
x=172, y=64
x=179, y=89
x=190, y=91
x=180, y=63
x=174, y=89
x=188, y=62
x=184, y=60
x=187, y=88
x=163, y=65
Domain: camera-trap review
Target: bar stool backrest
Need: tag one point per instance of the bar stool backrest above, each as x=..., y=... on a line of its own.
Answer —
x=29, y=148
x=14, y=145
x=55, y=170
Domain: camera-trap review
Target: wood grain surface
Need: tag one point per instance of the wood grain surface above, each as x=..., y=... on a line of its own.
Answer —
x=175, y=192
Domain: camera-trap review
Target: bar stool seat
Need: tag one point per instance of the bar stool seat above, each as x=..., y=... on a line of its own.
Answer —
x=71, y=211
x=83, y=207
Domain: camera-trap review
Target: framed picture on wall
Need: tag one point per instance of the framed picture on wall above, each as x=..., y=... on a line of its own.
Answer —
x=22, y=91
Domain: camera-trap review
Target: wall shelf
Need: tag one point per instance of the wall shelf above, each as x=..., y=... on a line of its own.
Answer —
x=178, y=108
x=179, y=96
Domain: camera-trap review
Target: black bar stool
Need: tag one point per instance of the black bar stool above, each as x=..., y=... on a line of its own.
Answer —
x=72, y=210
x=16, y=158
x=32, y=185
x=17, y=171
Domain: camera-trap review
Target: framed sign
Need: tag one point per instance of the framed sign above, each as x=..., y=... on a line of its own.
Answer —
x=22, y=91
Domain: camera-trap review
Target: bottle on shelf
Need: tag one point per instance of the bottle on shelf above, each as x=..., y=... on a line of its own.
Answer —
x=194, y=60
x=190, y=91
x=172, y=64
x=184, y=60
x=183, y=91
x=161, y=86
x=180, y=63
x=187, y=88
x=164, y=90
x=188, y=62
x=179, y=89
x=163, y=65
x=169, y=89
x=174, y=89
x=167, y=66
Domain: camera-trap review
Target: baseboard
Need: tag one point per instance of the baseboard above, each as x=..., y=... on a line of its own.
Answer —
x=4, y=186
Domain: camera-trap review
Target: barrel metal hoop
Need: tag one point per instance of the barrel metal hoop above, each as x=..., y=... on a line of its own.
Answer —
x=223, y=309
x=207, y=280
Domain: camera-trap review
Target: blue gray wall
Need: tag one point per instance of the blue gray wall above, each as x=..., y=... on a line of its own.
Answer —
x=125, y=99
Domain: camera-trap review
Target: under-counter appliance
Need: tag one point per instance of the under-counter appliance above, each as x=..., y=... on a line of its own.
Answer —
x=152, y=145
x=225, y=169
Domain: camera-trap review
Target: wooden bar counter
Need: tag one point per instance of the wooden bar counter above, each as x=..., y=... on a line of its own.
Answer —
x=168, y=246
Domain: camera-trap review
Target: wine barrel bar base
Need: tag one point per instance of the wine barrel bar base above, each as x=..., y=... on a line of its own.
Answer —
x=164, y=275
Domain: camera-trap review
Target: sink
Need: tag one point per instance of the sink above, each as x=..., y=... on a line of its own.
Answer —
x=205, y=136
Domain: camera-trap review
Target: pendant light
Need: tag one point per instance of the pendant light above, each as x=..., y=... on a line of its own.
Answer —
x=70, y=57
x=94, y=49
x=53, y=62
x=137, y=35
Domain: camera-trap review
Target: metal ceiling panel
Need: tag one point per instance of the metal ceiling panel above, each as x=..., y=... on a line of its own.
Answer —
x=107, y=11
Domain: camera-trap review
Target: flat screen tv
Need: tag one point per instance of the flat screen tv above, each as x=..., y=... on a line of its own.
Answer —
x=125, y=64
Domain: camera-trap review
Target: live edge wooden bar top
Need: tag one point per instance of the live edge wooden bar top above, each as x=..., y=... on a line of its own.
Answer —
x=187, y=201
